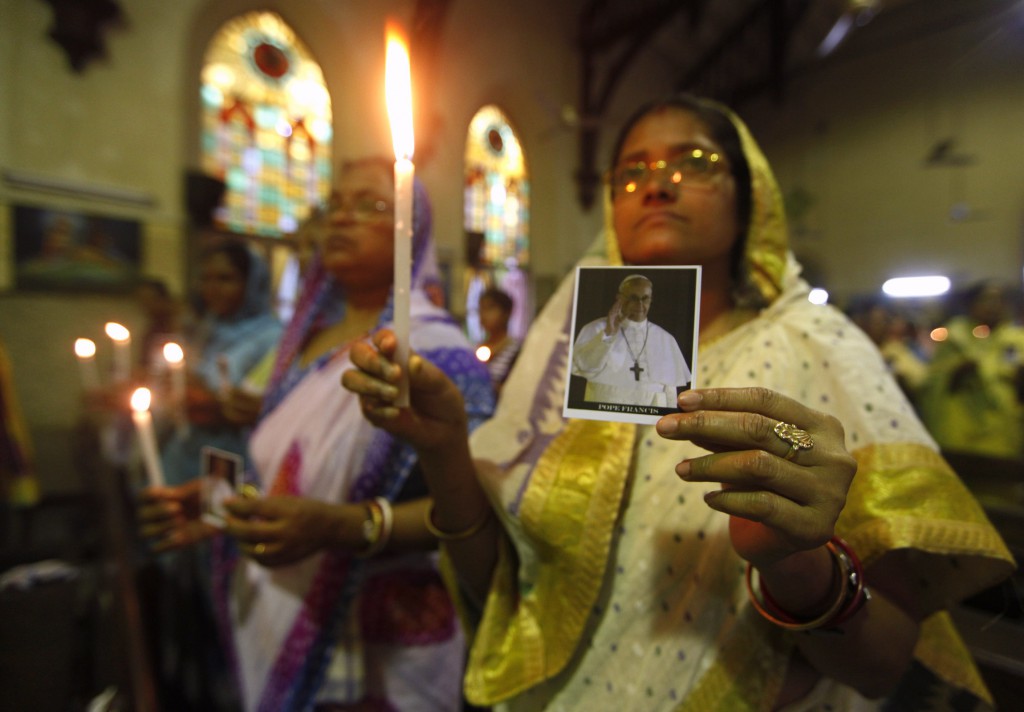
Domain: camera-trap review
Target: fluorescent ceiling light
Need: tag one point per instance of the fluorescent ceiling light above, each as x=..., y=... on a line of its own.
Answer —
x=931, y=286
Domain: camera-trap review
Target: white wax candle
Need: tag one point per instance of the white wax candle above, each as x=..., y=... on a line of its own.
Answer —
x=403, y=270
x=85, y=350
x=122, y=339
x=143, y=420
x=398, y=88
x=174, y=355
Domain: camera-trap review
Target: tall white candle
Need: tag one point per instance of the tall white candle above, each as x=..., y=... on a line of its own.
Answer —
x=399, y=99
x=122, y=339
x=174, y=355
x=85, y=350
x=143, y=420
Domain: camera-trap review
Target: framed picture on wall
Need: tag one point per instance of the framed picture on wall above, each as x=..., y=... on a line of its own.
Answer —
x=71, y=250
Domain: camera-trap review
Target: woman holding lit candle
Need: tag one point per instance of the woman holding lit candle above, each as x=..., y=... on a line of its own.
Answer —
x=236, y=329
x=788, y=539
x=329, y=581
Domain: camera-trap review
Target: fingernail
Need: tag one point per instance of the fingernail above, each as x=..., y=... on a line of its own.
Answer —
x=665, y=426
x=385, y=412
x=390, y=370
x=683, y=469
x=690, y=400
x=386, y=390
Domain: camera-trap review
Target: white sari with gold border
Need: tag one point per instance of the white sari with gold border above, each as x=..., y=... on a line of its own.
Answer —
x=622, y=590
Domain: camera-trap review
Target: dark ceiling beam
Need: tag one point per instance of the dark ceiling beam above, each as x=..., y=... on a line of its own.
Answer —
x=603, y=27
x=760, y=39
x=602, y=31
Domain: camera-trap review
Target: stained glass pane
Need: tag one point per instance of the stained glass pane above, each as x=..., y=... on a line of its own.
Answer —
x=497, y=193
x=266, y=124
x=497, y=207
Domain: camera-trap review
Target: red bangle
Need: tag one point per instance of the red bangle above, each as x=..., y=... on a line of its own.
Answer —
x=852, y=594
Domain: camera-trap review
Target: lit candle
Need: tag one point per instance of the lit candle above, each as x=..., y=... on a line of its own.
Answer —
x=122, y=339
x=147, y=440
x=85, y=350
x=174, y=355
x=398, y=86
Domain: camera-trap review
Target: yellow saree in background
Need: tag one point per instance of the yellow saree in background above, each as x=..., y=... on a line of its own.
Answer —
x=18, y=484
x=619, y=589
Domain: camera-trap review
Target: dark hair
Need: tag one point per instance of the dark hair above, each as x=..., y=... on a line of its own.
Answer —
x=157, y=285
x=238, y=255
x=723, y=131
x=500, y=298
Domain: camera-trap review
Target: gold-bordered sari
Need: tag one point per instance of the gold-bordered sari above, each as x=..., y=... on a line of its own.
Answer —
x=618, y=588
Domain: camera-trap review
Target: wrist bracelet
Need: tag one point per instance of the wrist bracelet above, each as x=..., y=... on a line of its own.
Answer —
x=428, y=519
x=377, y=526
x=848, y=573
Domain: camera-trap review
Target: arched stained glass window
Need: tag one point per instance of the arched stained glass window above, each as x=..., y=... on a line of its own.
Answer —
x=266, y=124
x=496, y=216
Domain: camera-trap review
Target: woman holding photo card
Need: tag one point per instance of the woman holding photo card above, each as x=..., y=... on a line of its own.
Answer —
x=789, y=538
x=327, y=582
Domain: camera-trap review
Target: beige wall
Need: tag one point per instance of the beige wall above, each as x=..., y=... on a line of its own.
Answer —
x=855, y=134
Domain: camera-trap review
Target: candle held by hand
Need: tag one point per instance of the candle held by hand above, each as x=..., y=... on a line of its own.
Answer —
x=143, y=420
x=122, y=339
x=399, y=100
x=85, y=350
x=174, y=355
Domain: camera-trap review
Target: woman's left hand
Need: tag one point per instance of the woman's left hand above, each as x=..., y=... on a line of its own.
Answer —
x=279, y=530
x=780, y=500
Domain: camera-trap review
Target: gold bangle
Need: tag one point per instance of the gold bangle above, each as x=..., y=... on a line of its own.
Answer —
x=428, y=519
x=373, y=529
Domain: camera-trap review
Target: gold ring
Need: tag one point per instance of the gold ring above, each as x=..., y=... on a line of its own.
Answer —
x=260, y=549
x=796, y=438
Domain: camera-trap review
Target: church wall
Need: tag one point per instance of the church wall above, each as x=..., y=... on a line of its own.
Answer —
x=125, y=124
x=853, y=133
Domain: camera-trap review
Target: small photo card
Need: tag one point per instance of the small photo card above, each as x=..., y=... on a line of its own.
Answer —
x=634, y=342
x=221, y=478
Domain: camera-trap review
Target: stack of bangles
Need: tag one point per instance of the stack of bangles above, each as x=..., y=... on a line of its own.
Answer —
x=849, y=580
x=466, y=533
x=377, y=526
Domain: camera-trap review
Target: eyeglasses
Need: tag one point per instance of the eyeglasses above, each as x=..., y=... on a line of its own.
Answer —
x=696, y=168
x=362, y=208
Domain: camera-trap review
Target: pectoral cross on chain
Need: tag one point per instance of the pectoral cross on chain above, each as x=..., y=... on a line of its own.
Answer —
x=635, y=368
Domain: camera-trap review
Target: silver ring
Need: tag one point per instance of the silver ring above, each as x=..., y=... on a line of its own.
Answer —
x=793, y=436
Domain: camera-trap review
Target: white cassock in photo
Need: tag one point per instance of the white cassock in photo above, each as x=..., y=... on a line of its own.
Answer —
x=640, y=364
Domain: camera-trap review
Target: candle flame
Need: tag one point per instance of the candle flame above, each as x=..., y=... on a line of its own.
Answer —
x=85, y=348
x=141, y=399
x=173, y=353
x=398, y=89
x=116, y=331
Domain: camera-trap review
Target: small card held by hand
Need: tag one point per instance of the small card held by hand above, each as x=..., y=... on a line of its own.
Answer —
x=633, y=344
x=221, y=478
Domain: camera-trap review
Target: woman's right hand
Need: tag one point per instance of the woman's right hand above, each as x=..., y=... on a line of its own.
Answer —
x=436, y=418
x=169, y=516
x=241, y=406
